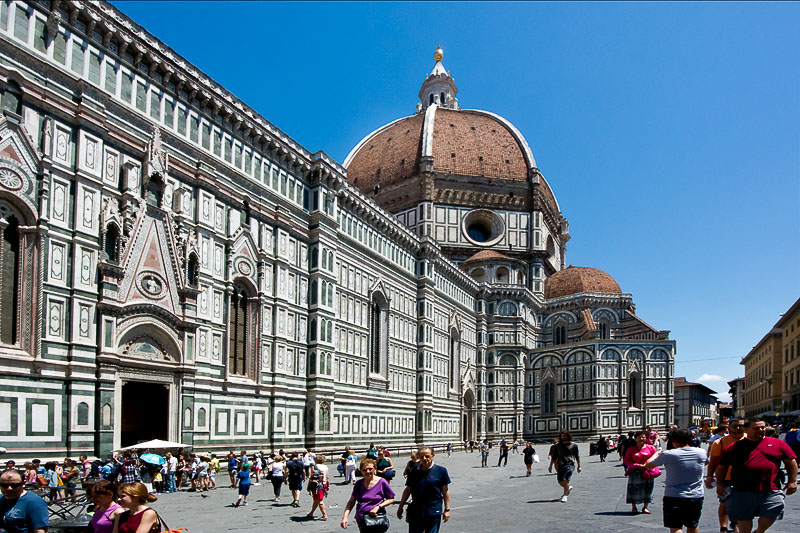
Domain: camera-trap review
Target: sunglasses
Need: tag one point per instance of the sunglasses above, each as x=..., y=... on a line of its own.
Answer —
x=737, y=426
x=11, y=485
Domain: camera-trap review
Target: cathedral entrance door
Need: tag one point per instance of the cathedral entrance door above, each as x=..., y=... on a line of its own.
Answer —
x=468, y=418
x=145, y=412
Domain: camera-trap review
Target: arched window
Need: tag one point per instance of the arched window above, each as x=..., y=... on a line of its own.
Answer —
x=379, y=333
x=324, y=417
x=83, y=414
x=329, y=337
x=312, y=330
x=502, y=275
x=507, y=309
x=490, y=424
x=491, y=395
x=455, y=361
x=238, y=331
x=154, y=192
x=431, y=99
x=313, y=288
x=635, y=391
x=603, y=327
x=314, y=257
x=441, y=98
x=246, y=213
x=548, y=398
x=201, y=417
x=491, y=378
x=112, y=243
x=560, y=334
x=9, y=280
x=192, y=270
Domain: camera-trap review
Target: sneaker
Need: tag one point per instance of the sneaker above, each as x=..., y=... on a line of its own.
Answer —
x=564, y=499
x=256, y=484
x=236, y=504
x=527, y=474
x=569, y=490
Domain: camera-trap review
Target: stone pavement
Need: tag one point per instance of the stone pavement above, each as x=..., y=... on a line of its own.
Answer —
x=482, y=499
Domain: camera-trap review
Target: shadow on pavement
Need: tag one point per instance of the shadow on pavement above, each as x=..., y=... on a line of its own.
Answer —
x=545, y=501
x=614, y=513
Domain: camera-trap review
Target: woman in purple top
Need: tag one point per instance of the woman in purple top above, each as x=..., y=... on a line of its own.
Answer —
x=103, y=493
x=371, y=492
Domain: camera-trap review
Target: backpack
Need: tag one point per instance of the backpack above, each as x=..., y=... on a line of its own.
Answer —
x=113, y=472
x=94, y=471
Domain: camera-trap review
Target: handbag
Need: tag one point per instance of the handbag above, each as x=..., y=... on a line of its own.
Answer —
x=375, y=524
x=413, y=513
x=388, y=475
x=651, y=473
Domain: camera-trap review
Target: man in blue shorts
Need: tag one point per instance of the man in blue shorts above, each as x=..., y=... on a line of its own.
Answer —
x=565, y=458
x=755, y=467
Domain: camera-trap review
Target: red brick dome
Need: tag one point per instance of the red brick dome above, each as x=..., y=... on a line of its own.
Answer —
x=458, y=142
x=573, y=280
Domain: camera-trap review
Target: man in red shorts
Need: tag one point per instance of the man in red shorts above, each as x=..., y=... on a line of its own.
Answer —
x=755, y=468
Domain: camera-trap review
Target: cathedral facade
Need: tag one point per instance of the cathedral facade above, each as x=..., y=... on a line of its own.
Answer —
x=175, y=266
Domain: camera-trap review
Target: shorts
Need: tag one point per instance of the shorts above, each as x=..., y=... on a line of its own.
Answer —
x=244, y=490
x=564, y=472
x=320, y=494
x=682, y=512
x=744, y=505
x=296, y=483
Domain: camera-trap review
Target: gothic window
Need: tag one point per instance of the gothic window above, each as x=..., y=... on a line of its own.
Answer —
x=548, y=398
x=324, y=417
x=246, y=214
x=154, y=191
x=491, y=395
x=83, y=414
x=9, y=279
x=11, y=99
x=312, y=330
x=379, y=333
x=455, y=346
x=603, y=326
x=635, y=391
x=313, y=296
x=441, y=98
x=507, y=309
x=490, y=424
x=192, y=269
x=560, y=334
x=112, y=243
x=431, y=99
x=238, y=331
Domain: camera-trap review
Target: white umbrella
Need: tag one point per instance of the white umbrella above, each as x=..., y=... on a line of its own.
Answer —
x=156, y=444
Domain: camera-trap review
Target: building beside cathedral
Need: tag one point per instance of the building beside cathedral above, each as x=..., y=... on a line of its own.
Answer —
x=175, y=266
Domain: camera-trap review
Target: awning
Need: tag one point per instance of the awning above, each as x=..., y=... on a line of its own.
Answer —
x=769, y=414
x=156, y=444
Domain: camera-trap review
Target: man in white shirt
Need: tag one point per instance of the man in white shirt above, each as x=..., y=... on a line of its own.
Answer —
x=173, y=465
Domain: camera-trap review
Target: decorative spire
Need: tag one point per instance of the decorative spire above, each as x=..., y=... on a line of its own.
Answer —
x=438, y=88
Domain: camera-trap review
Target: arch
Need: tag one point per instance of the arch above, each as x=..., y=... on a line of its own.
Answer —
x=501, y=275
x=82, y=414
x=192, y=270
x=634, y=354
x=578, y=357
x=379, y=332
x=635, y=390
x=148, y=340
x=659, y=354
x=507, y=308
x=507, y=360
x=610, y=355
x=478, y=274
x=324, y=418
x=10, y=260
x=455, y=357
x=240, y=329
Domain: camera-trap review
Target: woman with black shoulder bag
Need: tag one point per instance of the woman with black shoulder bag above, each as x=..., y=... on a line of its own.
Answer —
x=372, y=494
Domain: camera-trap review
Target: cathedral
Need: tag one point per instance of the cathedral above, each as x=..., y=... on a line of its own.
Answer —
x=175, y=266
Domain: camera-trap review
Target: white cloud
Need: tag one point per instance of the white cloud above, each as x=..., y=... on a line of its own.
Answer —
x=711, y=377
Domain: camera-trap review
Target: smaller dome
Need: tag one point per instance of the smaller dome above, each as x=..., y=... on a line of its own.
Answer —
x=484, y=255
x=573, y=280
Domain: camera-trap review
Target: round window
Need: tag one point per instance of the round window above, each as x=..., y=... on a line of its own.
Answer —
x=483, y=227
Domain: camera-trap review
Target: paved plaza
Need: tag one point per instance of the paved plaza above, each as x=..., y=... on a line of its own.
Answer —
x=488, y=499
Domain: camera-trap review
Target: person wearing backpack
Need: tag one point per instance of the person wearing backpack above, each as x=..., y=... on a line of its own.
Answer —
x=318, y=483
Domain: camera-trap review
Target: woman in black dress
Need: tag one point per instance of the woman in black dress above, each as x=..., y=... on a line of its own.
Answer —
x=527, y=457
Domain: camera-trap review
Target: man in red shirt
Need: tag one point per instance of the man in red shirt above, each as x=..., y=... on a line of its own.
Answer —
x=755, y=468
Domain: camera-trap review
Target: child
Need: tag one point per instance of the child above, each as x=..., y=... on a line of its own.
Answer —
x=244, y=484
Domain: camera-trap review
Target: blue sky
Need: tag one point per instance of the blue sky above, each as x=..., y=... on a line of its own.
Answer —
x=670, y=132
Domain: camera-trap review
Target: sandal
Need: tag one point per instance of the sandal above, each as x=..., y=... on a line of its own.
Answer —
x=646, y=511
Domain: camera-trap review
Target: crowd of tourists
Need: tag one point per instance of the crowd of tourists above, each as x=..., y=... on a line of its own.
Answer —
x=752, y=470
